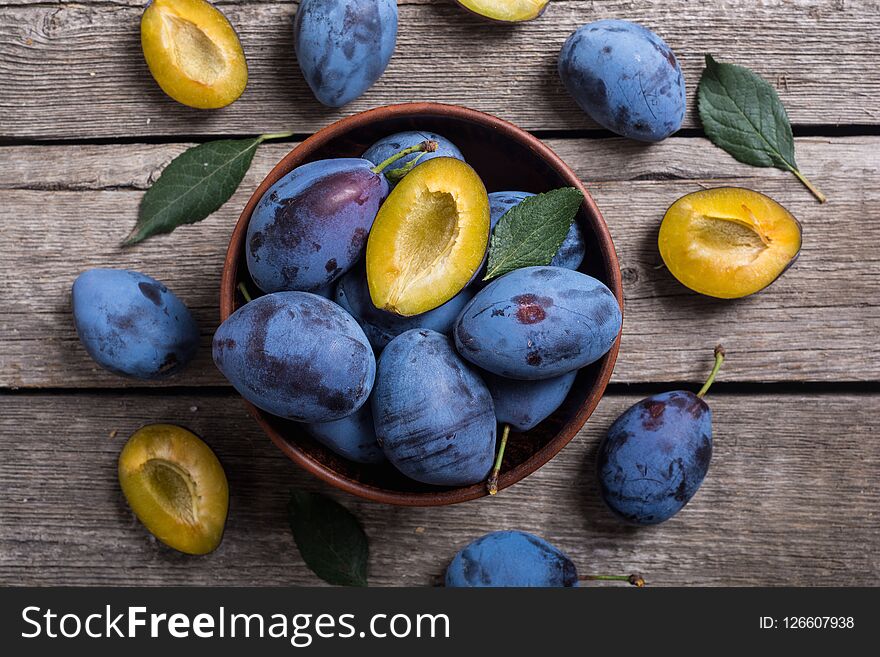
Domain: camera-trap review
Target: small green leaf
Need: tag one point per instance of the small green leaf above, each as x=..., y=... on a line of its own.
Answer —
x=196, y=183
x=530, y=233
x=741, y=113
x=330, y=539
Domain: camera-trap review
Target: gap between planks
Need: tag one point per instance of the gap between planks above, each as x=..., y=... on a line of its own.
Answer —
x=817, y=323
x=60, y=83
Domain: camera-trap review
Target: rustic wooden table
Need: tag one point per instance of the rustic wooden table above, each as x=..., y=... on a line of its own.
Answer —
x=792, y=496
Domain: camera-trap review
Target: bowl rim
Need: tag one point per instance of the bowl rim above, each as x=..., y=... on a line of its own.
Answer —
x=568, y=431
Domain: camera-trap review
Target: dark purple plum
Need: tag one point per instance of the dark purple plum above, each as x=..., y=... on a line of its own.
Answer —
x=538, y=323
x=352, y=437
x=525, y=404
x=132, y=324
x=296, y=355
x=570, y=255
x=656, y=455
x=311, y=226
x=511, y=558
x=433, y=413
x=353, y=294
x=343, y=46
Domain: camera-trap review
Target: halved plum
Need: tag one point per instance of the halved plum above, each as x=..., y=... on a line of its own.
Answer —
x=176, y=487
x=728, y=242
x=429, y=237
x=507, y=11
x=193, y=53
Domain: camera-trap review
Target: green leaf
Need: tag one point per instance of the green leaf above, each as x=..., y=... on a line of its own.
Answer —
x=330, y=539
x=530, y=233
x=196, y=183
x=741, y=113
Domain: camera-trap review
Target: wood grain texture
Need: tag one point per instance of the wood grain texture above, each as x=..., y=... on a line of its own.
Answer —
x=64, y=209
x=76, y=69
x=781, y=506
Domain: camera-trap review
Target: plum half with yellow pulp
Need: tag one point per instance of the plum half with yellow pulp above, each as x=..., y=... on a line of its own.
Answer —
x=728, y=242
x=176, y=487
x=193, y=53
x=508, y=11
x=429, y=237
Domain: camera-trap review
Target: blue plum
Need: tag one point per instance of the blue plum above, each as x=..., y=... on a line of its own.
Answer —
x=655, y=457
x=626, y=78
x=511, y=558
x=343, y=46
x=132, y=324
x=296, y=355
x=388, y=146
x=352, y=437
x=311, y=226
x=525, y=404
x=570, y=255
x=538, y=323
x=353, y=294
x=433, y=414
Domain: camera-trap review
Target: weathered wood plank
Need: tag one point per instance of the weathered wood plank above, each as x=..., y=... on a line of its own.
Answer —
x=781, y=504
x=65, y=209
x=76, y=70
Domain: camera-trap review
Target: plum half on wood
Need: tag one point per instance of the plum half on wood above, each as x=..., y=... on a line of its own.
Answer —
x=193, y=53
x=728, y=242
x=506, y=11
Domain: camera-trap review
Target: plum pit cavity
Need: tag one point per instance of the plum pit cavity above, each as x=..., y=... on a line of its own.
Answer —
x=195, y=54
x=173, y=488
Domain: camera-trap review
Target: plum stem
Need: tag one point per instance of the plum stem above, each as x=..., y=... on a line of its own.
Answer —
x=395, y=175
x=719, y=358
x=813, y=189
x=274, y=135
x=427, y=146
x=635, y=579
x=244, y=292
x=492, y=483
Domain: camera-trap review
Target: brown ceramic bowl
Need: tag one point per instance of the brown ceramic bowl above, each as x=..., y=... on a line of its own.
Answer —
x=506, y=158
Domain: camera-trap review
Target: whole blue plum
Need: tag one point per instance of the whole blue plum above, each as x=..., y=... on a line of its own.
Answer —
x=380, y=327
x=388, y=146
x=343, y=46
x=511, y=558
x=132, y=324
x=626, y=78
x=311, y=226
x=538, y=323
x=525, y=404
x=296, y=355
x=352, y=437
x=433, y=414
x=655, y=457
x=570, y=255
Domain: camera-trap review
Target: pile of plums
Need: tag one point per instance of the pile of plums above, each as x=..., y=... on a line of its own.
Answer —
x=376, y=330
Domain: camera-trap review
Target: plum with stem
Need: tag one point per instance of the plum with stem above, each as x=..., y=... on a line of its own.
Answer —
x=311, y=226
x=657, y=453
x=521, y=559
